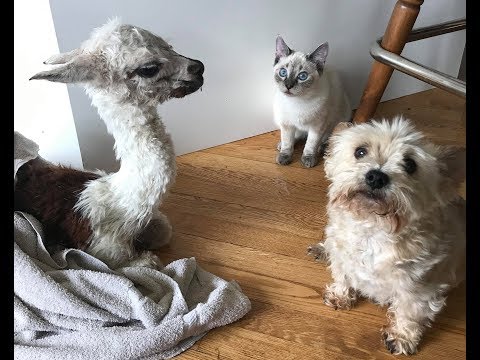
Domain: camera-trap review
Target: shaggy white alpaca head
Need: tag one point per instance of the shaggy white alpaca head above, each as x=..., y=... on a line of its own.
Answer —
x=389, y=172
x=130, y=64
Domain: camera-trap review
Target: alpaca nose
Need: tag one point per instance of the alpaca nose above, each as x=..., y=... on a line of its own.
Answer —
x=376, y=179
x=196, y=69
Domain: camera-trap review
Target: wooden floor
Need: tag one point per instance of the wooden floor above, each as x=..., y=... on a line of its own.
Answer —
x=244, y=217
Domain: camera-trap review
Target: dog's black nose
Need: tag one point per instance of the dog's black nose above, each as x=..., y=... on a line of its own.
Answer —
x=196, y=69
x=376, y=179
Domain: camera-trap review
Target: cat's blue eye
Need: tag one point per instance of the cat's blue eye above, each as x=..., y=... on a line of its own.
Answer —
x=282, y=72
x=302, y=76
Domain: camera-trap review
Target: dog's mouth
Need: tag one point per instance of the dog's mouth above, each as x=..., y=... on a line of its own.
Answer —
x=369, y=194
x=187, y=87
x=365, y=201
x=374, y=200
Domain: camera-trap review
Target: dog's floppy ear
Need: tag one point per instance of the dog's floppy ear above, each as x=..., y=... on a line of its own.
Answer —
x=341, y=126
x=453, y=159
x=337, y=129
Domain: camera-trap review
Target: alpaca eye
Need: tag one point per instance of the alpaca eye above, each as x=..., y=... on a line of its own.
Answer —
x=360, y=152
x=282, y=72
x=302, y=76
x=148, y=71
x=410, y=166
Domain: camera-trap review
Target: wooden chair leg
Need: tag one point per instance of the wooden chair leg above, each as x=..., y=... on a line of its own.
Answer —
x=401, y=23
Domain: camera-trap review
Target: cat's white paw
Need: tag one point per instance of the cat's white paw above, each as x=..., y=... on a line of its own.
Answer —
x=309, y=161
x=284, y=158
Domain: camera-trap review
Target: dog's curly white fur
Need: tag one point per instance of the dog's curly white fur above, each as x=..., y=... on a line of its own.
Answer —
x=396, y=224
x=127, y=71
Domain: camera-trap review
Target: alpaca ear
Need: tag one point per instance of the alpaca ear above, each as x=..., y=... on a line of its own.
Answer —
x=319, y=56
x=282, y=49
x=80, y=69
x=454, y=161
x=62, y=58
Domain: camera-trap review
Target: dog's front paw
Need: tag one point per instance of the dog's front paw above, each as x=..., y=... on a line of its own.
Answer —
x=309, y=161
x=284, y=158
x=397, y=344
x=318, y=252
x=339, y=301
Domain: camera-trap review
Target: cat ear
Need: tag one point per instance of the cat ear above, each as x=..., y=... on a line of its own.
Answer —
x=319, y=56
x=282, y=49
x=79, y=68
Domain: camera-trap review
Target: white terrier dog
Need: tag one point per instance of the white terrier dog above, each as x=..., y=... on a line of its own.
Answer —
x=396, y=230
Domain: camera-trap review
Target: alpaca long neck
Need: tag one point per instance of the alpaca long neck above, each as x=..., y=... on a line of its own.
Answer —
x=144, y=148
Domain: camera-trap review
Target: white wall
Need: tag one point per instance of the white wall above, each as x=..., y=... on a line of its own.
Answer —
x=42, y=110
x=236, y=42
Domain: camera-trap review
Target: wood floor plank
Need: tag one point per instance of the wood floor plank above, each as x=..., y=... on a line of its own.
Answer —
x=241, y=169
x=241, y=343
x=230, y=232
x=275, y=195
x=306, y=272
x=308, y=223
x=245, y=218
x=259, y=148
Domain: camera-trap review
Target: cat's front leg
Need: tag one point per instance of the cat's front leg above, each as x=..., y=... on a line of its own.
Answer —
x=311, y=153
x=287, y=134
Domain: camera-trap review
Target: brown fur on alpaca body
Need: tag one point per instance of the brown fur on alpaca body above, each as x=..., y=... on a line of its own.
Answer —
x=49, y=193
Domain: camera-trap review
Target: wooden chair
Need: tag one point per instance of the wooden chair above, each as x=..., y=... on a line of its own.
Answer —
x=386, y=52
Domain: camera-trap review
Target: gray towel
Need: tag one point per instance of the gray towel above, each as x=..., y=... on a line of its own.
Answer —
x=24, y=150
x=72, y=306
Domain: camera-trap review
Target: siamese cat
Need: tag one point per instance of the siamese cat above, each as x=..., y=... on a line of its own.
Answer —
x=309, y=101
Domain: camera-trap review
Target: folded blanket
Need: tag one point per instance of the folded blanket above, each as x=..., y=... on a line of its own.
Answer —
x=70, y=305
x=24, y=150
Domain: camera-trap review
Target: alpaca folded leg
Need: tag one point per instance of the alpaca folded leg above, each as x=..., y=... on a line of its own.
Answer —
x=118, y=254
x=112, y=252
x=158, y=233
x=145, y=259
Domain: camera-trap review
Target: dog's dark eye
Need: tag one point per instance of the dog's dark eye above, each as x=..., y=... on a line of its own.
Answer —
x=148, y=71
x=360, y=152
x=409, y=165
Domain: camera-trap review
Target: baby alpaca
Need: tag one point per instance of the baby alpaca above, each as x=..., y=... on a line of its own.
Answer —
x=396, y=225
x=127, y=71
x=309, y=101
